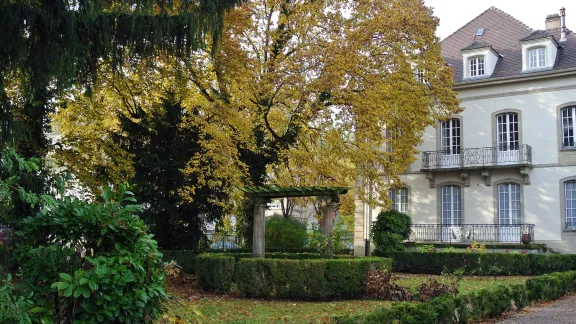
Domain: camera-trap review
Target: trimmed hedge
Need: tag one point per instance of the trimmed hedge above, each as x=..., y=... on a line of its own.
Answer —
x=474, y=306
x=187, y=258
x=215, y=272
x=306, y=279
x=294, y=279
x=482, y=264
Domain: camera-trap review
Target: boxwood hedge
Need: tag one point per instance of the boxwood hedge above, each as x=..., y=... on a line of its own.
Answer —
x=308, y=279
x=187, y=258
x=475, y=306
x=483, y=264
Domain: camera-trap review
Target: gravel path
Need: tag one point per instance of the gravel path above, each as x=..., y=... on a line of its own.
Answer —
x=561, y=312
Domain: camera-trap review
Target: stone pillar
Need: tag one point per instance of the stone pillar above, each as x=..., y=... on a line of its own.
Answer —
x=359, y=222
x=259, y=228
x=328, y=213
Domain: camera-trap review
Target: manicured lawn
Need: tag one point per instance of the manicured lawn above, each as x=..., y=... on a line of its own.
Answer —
x=226, y=309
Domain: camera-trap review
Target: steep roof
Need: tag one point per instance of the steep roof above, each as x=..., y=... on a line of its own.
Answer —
x=501, y=31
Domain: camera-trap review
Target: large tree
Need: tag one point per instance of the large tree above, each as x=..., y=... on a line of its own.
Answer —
x=300, y=92
x=50, y=45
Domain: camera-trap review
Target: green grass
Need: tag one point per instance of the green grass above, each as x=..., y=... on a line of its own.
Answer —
x=218, y=309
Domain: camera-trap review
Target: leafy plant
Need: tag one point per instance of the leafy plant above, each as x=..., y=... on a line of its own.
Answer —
x=426, y=248
x=91, y=261
x=284, y=232
x=476, y=247
x=172, y=272
x=450, y=249
x=379, y=286
x=390, y=229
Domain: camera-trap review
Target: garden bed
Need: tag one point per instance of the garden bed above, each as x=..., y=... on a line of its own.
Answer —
x=218, y=308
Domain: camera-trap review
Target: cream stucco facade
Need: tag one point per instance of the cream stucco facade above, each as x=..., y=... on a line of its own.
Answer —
x=537, y=102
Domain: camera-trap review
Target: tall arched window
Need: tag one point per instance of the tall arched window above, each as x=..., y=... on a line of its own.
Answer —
x=509, y=212
x=570, y=203
x=568, y=122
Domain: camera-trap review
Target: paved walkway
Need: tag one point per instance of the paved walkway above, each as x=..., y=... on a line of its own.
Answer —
x=562, y=312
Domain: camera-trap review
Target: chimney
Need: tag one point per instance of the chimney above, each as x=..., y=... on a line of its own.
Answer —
x=553, y=21
x=562, y=24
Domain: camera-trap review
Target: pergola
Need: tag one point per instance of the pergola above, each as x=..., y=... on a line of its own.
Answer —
x=328, y=197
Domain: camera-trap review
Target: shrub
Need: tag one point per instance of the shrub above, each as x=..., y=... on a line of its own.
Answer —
x=483, y=264
x=475, y=306
x=16, y=308
x=85, y=261
x=284, y=232
x=432, y=289
x=551, y=286
x=215, y=271
x=379, y=286
x=390, y=229
x=305, y=279
x=4, y=262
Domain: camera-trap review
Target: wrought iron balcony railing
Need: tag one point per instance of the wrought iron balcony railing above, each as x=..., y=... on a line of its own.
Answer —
x=478, y=157
x=472, y=232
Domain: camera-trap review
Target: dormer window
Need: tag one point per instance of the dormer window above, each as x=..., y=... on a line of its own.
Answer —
x=476, y=66
x=537, y=57
x=479, y=60
x=539, y=52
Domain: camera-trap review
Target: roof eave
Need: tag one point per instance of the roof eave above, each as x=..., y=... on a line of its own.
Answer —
x=514, y=78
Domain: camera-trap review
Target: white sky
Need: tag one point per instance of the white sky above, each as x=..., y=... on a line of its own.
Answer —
x=454, y=14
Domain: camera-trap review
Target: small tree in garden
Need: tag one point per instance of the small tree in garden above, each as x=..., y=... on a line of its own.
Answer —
x=285, y=233
x=390, y=229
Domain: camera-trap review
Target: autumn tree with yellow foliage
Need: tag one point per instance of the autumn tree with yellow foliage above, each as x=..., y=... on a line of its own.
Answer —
x=300, y=93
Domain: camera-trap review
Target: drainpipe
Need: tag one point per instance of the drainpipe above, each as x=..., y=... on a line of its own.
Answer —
x=563, y=24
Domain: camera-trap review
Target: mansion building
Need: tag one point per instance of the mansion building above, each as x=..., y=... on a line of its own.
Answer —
x=503, y=170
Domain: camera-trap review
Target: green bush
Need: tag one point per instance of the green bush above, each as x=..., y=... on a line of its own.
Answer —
x=390, y=229
x=215, y=271
x=482, y=264
x=306, y=279
x=284, y=232
x=475, y=306
x=551, y=286
x=119, y=279
x=4, y=262
x=187, y=258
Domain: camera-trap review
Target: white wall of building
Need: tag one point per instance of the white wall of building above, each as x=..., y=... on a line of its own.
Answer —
x=538, y=102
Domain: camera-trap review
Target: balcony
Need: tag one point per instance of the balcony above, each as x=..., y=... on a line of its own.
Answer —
x=465, y=233
x=478, y=157
x=484, y=159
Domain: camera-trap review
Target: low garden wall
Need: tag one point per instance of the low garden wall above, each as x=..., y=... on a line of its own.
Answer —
x=473, y=306
x=482, y=264
x=187, y=258
x=307, y=279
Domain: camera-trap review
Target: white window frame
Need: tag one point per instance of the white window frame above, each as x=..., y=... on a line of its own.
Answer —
x=509, y=208
x=537, y=57
x=450, y=133
x=508, y=131
x=451, y=205
x=568, y=118
x=399, y=198
x=477, y=66
x=570, y=204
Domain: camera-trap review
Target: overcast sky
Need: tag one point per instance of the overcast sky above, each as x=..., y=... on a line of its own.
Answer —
x=454, y=14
